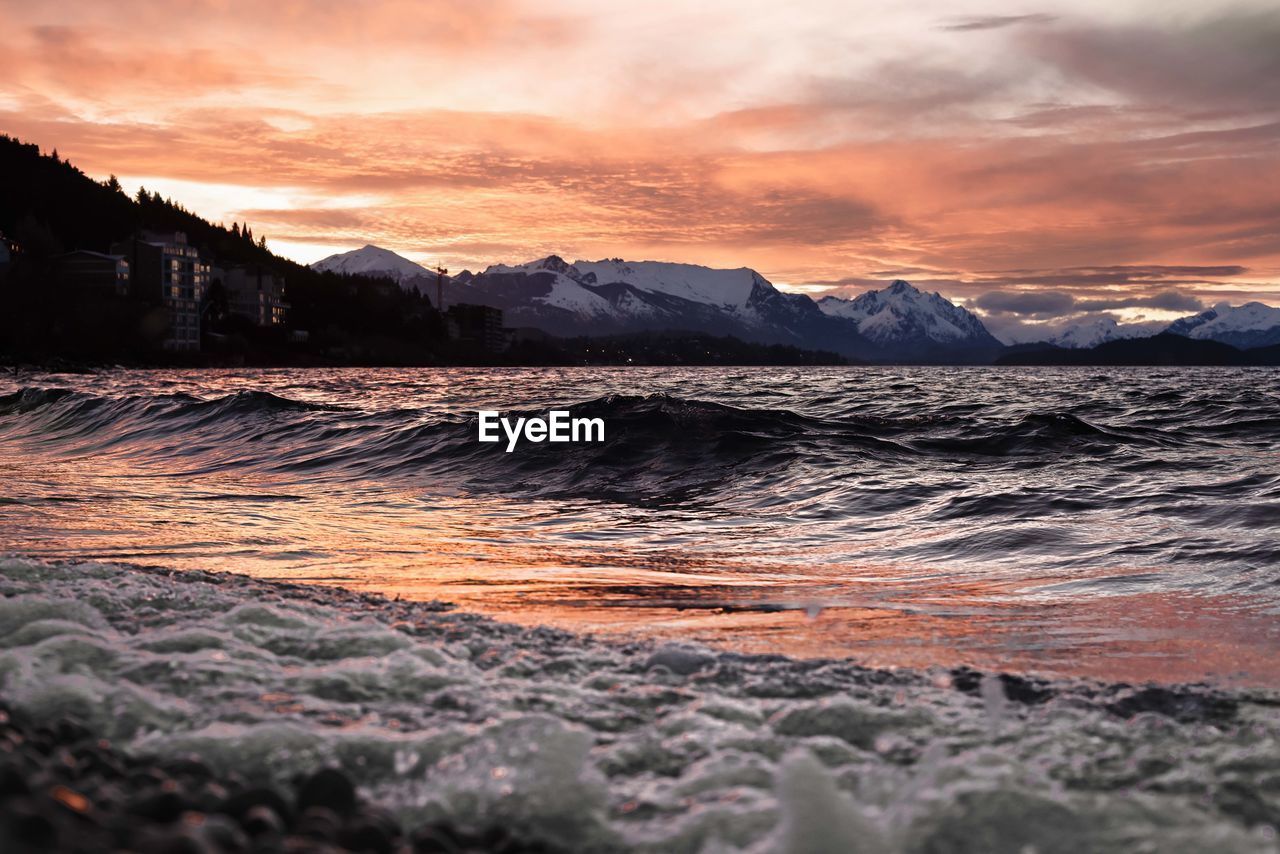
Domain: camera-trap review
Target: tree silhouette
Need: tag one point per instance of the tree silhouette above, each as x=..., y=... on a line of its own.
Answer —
x=51, y=207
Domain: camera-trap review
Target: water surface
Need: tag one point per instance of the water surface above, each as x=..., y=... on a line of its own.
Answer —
x=1119, y=523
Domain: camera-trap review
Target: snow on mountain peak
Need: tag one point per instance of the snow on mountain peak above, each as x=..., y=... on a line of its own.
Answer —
x=902, y=312
x=370, y=260
x=692, y=282
x=1252, y=316
x=1253, y=324
x=1099, y=330
x=556, y=264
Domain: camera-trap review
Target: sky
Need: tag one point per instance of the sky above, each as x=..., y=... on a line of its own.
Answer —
x=1037, y=163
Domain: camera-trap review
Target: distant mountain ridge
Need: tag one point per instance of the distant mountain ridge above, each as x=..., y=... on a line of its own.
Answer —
x=905, y=321
x=1100, y=330
x=613, y=296
x=898, y=323
x=685, y=281
x=370, y=260
x=1165, y=349
x=1253, y=324
x=1245, y=327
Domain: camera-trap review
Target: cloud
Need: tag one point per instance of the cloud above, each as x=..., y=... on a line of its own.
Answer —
x=1221, y=64
x=1026, y=303
x=995, y=22
x=1164, y=300
x=897, y=97
x=1043, y=212
x=1107, y=157
x=1048, y=304
x=309, y=217
x=1084, y=277
x=61, y=58
x=450, y=26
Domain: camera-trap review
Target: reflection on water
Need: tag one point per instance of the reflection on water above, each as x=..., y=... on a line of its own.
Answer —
x=1120, y=526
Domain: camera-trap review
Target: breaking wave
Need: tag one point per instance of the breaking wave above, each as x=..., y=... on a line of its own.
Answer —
x=657, y=446
x=1007, y=494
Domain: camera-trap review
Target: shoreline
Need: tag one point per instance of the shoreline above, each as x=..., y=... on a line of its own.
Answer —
x=444, y=718
x=21, y=367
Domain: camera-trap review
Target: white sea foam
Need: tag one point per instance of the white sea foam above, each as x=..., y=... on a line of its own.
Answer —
x=597, y=746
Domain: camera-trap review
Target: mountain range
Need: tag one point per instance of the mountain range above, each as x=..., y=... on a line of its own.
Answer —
x=1167, y=348
x=899, y=322
x=1100, y=330
x=904, y=322
x=613, y=296
x=1253, y=324
x=1244, y=327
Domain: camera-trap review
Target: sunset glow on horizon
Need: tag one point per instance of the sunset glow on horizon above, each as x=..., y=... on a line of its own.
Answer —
x=1066, y=158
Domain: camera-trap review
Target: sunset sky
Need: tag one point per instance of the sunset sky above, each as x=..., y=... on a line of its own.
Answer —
x=1036, y=162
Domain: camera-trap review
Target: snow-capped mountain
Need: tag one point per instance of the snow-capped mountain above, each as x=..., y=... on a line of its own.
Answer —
x=615, y=296
x=905, y=322
x=686, y=281
x=1253, y=324
x=1099, y=330
x=370, y=260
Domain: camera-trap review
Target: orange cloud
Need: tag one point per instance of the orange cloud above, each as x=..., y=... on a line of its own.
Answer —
x=474, y=132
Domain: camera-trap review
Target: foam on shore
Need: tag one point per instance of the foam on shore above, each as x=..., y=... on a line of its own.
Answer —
x=587, y=745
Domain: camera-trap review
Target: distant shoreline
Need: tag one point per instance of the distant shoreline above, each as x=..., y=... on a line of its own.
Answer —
x=18, y=367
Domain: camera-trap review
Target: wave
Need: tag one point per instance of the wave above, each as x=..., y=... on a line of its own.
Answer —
x=1039, y=433
x=799, y=477
x=657, y=447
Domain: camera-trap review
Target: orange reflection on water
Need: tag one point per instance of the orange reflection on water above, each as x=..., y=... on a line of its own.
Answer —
x=531, y=564
x=1166, y=636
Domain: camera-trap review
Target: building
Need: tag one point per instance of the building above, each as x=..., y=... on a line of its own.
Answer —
x=8, y=250
x=526, y=335
x=98, y=272
x=253, y=293
x=480, y=325
x=166, y=268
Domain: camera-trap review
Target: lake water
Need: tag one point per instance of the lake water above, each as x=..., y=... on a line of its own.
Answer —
x=1116, y=523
